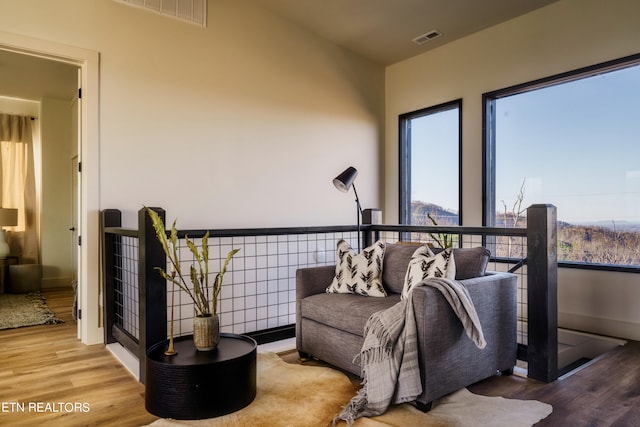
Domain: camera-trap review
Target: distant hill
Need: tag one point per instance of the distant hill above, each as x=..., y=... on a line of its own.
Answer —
x=612, y=225
x=600, y=242
x=442, y=216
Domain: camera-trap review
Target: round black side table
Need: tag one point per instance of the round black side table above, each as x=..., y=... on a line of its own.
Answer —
x=200, y=384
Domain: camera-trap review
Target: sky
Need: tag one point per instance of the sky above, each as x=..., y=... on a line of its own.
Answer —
x=575, y=145
x=434, y=156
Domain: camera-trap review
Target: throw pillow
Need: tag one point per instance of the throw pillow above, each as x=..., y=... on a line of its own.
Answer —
x=358, y=273
x=424, y=264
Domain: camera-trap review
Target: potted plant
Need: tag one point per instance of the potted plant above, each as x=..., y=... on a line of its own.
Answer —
x=445, y=241
x=206, y=324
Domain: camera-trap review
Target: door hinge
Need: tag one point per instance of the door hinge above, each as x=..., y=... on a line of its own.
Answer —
x=79, y=167
x=79, y=314
x=79, y=240
x=80, y=93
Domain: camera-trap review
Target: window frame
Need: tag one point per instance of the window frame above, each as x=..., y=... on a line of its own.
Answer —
x=489, y=149
x=404, y=154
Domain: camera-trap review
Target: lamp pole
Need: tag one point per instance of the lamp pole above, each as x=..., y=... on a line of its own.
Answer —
x=358, y=214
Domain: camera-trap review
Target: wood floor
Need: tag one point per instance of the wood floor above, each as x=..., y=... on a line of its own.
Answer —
x=604, y=393
x=48, y=365
x=42, y=365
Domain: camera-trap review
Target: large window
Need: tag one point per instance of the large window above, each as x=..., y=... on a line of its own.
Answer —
x=572, y=141
x=430, y=165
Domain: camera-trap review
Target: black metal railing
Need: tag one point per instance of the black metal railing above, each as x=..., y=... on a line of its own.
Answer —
x=258, y=296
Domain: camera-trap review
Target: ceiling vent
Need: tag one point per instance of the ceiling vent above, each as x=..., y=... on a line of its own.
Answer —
x=427, y=37
x=192, y=11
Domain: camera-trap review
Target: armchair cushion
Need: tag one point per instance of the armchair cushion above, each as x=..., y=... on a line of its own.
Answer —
x=330, y=309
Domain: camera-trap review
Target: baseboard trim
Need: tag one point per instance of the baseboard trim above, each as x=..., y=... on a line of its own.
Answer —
x=126, y=358
x=56, y=282
x=274, y=334
x=600, y=326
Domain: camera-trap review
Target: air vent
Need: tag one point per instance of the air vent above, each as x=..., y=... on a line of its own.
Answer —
x=427, y=37
x=192, y=11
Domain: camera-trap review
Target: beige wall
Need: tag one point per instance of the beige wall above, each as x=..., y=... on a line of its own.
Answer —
x=561, y=37
x=19, y=106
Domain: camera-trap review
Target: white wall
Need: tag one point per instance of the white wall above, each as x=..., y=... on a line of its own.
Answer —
x=242, y=124
x=561, y=37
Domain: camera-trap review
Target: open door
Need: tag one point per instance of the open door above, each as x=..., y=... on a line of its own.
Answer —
x=76, y=205
x=74, y=230
x=90, y=329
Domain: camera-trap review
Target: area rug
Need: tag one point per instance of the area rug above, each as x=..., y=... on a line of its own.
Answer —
x=18, y=310
x=308, y=396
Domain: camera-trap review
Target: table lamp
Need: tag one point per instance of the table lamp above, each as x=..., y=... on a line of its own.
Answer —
x=8, y=218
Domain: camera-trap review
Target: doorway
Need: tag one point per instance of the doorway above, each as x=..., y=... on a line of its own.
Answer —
x=51, y=102
x=87, y=201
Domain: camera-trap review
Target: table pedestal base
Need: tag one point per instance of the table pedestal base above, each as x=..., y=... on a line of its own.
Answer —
x=195, y=385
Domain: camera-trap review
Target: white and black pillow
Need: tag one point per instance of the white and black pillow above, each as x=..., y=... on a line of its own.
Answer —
x=424, y=264
x=358, y=273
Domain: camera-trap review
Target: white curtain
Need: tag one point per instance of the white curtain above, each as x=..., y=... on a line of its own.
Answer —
x=18, y=185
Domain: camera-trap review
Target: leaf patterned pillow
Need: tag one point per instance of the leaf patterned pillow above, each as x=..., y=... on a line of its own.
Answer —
x=424, y=264
x=358, y=274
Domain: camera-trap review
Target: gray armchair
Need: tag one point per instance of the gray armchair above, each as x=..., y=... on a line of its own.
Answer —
x=330, y=326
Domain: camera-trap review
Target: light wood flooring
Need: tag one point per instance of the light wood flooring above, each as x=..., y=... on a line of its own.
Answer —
x=48, y=364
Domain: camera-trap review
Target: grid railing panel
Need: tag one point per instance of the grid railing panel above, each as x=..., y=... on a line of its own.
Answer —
x=259, y=289
x=258, y=292
x=126, y=301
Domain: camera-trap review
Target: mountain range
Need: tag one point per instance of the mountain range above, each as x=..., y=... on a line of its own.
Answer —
x=446, y=216
x=592, y=242
x=612, y=225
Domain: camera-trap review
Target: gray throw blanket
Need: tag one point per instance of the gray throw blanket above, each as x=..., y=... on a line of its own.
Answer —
x=389, y=355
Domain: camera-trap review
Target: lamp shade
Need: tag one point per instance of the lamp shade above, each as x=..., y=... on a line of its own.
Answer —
x=345, y=180
x=8, y=217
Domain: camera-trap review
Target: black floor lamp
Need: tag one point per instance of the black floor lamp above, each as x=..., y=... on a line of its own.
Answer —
x=343, y=182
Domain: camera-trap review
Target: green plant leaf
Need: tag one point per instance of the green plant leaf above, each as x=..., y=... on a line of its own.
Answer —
x=199, y=291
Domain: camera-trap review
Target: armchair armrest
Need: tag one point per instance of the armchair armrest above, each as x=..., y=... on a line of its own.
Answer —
x=494, y=297
x=494, y=290
x=310, y=281
x=449, y=360
x=313, y=280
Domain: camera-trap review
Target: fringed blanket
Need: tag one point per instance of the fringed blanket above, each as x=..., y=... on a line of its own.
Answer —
x=389, y=355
